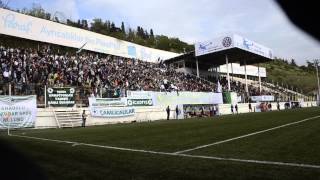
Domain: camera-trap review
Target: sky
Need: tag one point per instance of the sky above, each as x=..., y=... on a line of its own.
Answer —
x=262, y=21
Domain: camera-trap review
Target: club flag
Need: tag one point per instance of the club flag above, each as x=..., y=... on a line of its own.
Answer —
x=219, y=88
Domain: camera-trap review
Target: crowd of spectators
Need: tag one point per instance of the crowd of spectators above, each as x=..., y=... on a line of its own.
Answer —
x=31, y=69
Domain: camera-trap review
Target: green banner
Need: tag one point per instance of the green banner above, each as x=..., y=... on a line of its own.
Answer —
x=61, y=96
x=226, y=97
x=140, y=102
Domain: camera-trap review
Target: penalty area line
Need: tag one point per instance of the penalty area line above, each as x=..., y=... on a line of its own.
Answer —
x=73, y=144
x=246, y=135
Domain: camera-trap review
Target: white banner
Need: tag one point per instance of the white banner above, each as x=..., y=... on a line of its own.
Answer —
x=112, y=111
x=107, y=107
x=164, y=99
x=262, y=98
x=28, y=27
x=251, y=46
x=107, y=102
x=235, y=68
x=17, y=111
x=217, y=44
x=139, y=94
x=232, y=41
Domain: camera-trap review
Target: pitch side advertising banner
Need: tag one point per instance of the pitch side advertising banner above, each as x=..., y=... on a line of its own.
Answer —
x=99, y=107
x=18, y=111
x=140, y=94
x=107, y=102
x=28, y=27
x=262, y=98
x=140, y=102
x=165, y=99
x=61, y=96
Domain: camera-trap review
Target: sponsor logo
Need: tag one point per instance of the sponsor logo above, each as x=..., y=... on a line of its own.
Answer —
x=247, y=44
x=227, y=41
x=140, y=102
x=204, y=46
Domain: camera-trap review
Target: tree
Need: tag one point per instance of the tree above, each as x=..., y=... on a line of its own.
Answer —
x=151, y=34
x=130, y=35
x=98, y=26
x=293, y=62
x=112, y=27
x=84, y=24
x=38, y=11
x=123, y=30
x=310, y=65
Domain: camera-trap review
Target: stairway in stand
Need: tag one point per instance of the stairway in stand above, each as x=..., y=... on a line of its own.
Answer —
x=68, y=118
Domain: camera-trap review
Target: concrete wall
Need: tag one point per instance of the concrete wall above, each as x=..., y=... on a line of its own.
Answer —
x=46, y=119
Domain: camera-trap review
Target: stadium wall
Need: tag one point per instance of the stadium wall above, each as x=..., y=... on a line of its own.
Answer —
x=46, y=118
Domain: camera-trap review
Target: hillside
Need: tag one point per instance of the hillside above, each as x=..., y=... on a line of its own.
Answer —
x=290, y=75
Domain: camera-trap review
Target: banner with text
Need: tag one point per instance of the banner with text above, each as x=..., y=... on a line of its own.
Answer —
x=18, y=111
x=28, y=27
x=109, y=107
x=107, y=102
x=262, y=98
x=140, y=102
x=61, y=96
x=229, y=41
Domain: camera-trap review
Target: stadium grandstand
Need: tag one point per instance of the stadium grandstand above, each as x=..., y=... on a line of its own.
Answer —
x=52, y=55
x=56, y=80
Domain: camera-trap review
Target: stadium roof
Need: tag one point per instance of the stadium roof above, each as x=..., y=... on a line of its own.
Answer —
x=238, y=50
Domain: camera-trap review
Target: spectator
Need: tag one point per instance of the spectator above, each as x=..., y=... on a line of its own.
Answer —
x=214, y=110
x=250, y=107
x=84, y=117
x=168, y=112
x=177, y=112
x=232, y=109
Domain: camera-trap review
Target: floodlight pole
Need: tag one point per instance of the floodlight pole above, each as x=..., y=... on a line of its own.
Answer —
x=45, y=96
x=10, y=100
x=245, y=76
x=316, y=65
x=259, y=78
x=232, y=71
x=228, y=77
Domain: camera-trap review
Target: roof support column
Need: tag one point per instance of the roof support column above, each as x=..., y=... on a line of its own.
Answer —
x=197, y=67
x=246, y=77
x=228, y=77
x=232, y=72
x=259, y=78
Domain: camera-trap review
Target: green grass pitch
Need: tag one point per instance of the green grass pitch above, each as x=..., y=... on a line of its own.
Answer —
x=297, y=143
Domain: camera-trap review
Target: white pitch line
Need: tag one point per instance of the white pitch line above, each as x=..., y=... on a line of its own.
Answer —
x=178, y=155
x=244, y=136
